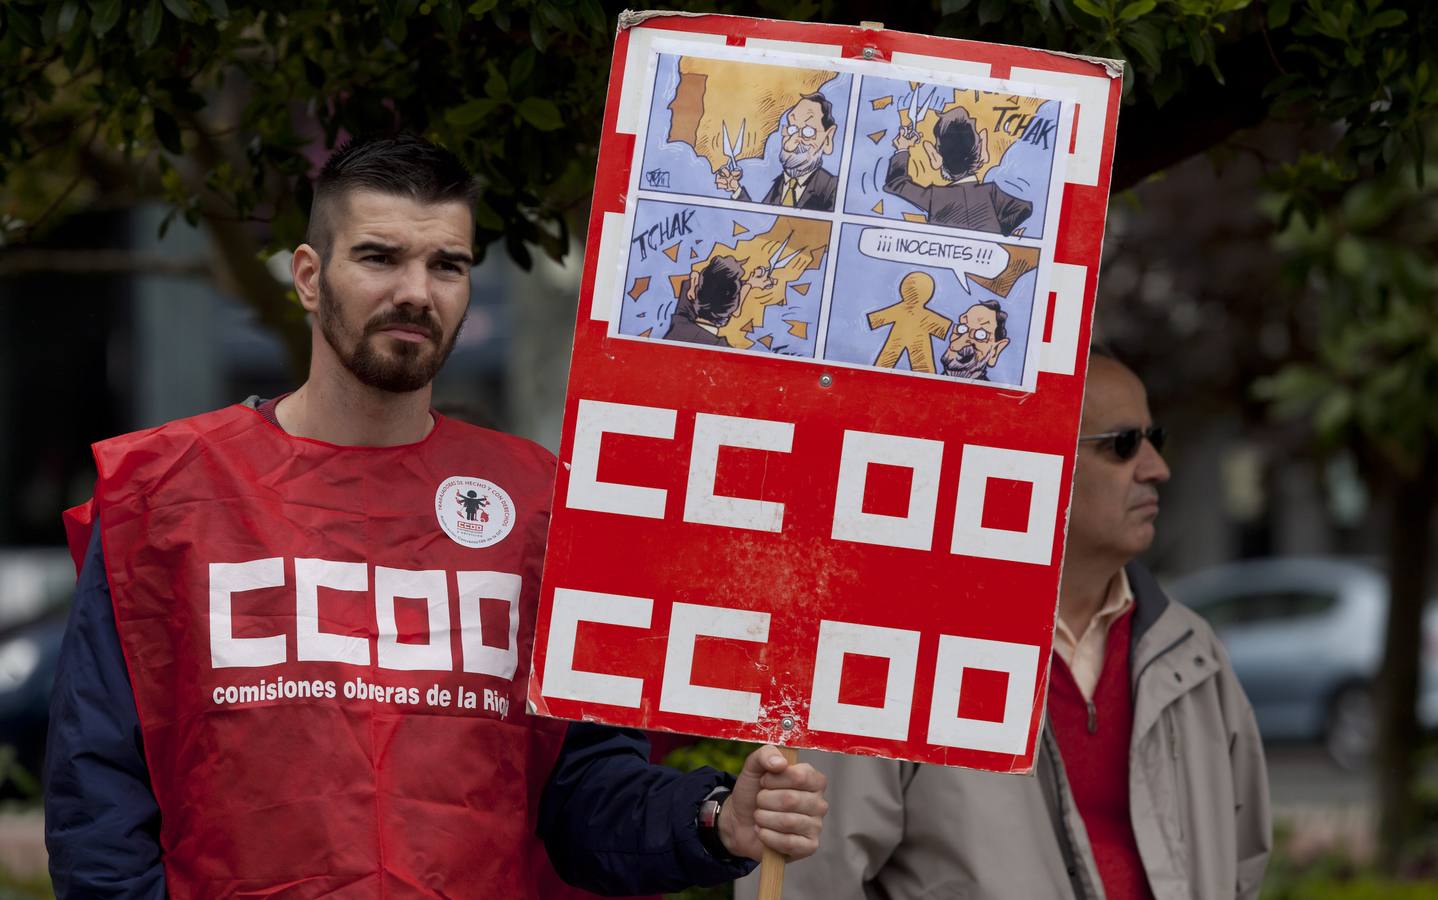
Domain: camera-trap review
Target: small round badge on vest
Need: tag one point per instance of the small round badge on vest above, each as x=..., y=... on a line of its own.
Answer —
x=473, y=512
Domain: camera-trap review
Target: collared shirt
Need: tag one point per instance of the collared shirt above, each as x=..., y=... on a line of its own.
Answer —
x=1084, y=654
x=803, y=182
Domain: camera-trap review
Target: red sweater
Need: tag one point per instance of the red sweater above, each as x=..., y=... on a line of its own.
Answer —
x=1094, y=739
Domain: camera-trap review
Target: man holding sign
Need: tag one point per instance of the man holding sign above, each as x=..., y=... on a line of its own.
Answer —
x=1150, y=781
x=297, y=657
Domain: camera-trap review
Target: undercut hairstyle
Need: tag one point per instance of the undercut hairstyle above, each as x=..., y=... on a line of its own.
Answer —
x=404, y=165
x=1001, y=332
x=716, y=296
x=826, y=109
x=957, y=138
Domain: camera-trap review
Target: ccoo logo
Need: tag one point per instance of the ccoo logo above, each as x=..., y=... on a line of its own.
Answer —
x=474, y=512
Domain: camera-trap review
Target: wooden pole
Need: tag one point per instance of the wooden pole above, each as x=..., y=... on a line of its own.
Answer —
x=771, y=867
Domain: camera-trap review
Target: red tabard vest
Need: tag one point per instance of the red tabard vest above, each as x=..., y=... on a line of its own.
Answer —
x=1094, y=744
x=329, y=648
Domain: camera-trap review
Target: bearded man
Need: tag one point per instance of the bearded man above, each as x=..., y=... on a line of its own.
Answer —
x=806, y=135
x=297, y=665
x=977, y=340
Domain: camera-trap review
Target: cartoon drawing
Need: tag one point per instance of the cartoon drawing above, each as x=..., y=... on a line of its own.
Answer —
x=913, y=324
x=946, y=209
x=811, y=238
x=963, y=303
x=710, y=297
x=747, y=132
x=473, y=506
x=978, y=339
x=748, y=280
x=958, y=151
x=953, y=157
x=807, y=136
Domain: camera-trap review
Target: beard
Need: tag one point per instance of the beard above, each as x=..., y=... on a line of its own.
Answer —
x=406, y=367
x=801, y=162
x=964, y=363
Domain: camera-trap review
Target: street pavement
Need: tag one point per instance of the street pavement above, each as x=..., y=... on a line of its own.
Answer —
x=1320, y=807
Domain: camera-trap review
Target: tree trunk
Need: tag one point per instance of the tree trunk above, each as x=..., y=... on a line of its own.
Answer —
x=237, y=250
x=1398, y=730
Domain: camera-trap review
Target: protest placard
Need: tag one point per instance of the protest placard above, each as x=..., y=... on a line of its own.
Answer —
x=825, y=388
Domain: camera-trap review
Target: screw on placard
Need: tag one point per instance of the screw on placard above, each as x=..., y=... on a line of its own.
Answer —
x=869, y=53
x=825, y=380
x=787, y=723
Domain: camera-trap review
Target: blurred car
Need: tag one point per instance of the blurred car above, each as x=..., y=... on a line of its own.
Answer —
x=1306, y=639
x=35, y=589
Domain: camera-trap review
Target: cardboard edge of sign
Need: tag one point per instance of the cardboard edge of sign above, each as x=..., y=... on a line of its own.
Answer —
x=633, y=18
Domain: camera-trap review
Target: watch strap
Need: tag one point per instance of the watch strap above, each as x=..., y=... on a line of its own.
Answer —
x=707, y=823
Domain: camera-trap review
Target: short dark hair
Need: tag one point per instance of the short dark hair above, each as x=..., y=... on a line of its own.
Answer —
x=1001, y=332
x=957, y=138
x=826, y=109
x=404, y=164
x=716, y=296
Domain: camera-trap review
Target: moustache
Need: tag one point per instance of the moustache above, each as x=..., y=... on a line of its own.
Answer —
x=401, y=316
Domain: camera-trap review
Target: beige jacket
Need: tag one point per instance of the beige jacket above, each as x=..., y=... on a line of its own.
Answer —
x=1198, y=797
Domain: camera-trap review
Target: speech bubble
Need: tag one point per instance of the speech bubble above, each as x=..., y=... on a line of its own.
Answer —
x=966, y=257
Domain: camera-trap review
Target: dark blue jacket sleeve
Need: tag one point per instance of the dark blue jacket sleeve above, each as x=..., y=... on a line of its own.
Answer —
x=102, y=825
x=616, y=824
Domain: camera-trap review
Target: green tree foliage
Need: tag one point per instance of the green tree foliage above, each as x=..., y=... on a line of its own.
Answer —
x=223, y=110
x=1365, y=261
x=1363, y=257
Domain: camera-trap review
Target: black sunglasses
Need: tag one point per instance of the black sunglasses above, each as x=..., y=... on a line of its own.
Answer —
x=1125, y=443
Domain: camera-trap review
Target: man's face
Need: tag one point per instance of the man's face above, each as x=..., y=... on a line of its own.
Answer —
x=805, y=140
x=393, y=294
x=975, y=343
x=1115, y=502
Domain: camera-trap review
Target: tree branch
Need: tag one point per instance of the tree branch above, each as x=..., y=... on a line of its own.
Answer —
x=239, y=253
x=1151, y=139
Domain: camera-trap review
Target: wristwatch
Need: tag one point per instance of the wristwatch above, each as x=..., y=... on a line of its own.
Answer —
x=707, y=823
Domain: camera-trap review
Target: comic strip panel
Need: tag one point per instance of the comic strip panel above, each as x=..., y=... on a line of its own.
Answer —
x=746, y=132
x=940, y=304
x=968, y=159
x=746, y=279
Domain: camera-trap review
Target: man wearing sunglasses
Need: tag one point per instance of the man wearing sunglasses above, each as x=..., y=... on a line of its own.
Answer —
x=1149, y=780
x=806, y=135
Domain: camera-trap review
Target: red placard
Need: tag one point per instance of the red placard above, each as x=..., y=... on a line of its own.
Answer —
x=825, y=391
